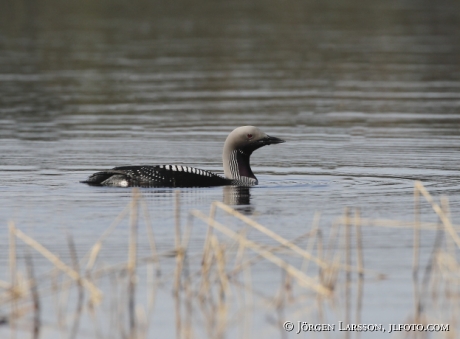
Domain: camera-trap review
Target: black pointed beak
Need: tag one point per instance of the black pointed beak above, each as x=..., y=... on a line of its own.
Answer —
x=268, y=140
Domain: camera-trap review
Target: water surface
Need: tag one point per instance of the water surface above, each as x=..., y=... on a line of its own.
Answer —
x=367, y=96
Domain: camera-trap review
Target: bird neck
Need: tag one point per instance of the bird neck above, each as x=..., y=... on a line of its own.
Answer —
x=237, y=165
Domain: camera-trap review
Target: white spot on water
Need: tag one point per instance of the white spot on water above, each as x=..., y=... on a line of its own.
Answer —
x=123, y=183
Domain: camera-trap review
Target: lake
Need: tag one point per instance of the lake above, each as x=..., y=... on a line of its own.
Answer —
x=366, y=95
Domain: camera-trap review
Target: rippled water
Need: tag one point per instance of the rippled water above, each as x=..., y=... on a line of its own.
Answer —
x=367, y=96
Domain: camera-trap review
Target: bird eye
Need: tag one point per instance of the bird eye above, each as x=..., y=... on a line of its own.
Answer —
x=249, y=136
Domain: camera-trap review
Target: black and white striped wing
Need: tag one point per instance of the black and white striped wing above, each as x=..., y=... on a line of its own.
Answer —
x=157, y=176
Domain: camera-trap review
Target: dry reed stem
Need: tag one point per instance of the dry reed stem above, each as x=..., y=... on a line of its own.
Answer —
x=306, y=255
x=141, y=316
x=239, y=253
x=347, y=273
x=206, y=260
x=151, y=236
x=35, y=297
x=302, y=278
x=249, y=295
x=151, y=292
x=221, y=306
x=311, y=240
x=241, y=315
x=179, y=265
x=55, y=275
x=444, y=218
x=81, y=291
x=120, y=309
x=113, y=323
x=177, y=218
x=188, y=328
x=187, y=233
x=96, y=324
x=94, y=252
x=205, y=294
x=432, y=260
x=246, y=299
x=329, y=275
x=449, y=242
x=132, y=264
x=63, y=306
x=221, y=263
x=255, y=258
x=320, y=250
x=360, y=261
x=270, y=233
x=95, y=293
x=449, y=265
x=280, y=301
x=207, y=308
x=416, y=253
x=14, y=292
x=177, y=240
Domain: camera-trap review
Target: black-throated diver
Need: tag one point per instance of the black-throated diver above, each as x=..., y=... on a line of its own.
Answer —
x=238, y=147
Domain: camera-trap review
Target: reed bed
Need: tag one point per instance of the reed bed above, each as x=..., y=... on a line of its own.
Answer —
x=247, y=280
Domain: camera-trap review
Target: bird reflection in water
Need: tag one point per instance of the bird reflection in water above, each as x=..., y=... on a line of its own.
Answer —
x=238, y=196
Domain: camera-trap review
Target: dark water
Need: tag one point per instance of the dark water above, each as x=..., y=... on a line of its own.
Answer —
x=367, y=95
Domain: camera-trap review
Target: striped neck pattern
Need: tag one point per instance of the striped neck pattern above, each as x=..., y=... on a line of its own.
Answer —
x=240, y=169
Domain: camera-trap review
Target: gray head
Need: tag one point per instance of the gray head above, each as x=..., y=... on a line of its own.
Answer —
x=238, y=147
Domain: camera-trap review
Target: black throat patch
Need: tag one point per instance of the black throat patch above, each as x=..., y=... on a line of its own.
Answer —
x=244, y=167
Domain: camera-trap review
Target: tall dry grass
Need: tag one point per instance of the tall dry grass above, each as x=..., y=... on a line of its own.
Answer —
x=217, y=292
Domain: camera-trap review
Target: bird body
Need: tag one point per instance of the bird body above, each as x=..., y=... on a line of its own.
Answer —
x=238, y=148
x=157, y=176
